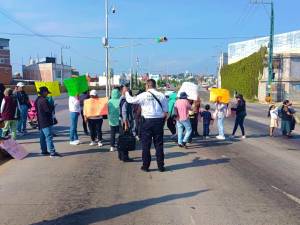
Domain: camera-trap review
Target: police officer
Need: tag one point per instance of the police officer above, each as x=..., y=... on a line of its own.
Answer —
x=154, y=112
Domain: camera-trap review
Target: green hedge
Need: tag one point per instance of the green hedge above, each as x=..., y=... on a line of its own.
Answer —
x=243, y=75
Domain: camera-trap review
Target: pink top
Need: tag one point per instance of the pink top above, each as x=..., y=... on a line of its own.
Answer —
x=182, y=107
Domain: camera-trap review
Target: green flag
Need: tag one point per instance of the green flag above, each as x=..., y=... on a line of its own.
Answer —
x=76, y=85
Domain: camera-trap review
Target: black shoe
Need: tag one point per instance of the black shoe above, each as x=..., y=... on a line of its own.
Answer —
x=144, y=169
x=45, y=153
x=55, y=155
x=128, y=160
x=162, y=169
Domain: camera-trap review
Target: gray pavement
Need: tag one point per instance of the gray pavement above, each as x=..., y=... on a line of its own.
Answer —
x=252, y=181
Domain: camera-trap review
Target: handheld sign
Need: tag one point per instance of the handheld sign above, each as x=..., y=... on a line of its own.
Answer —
x=76, y=85
x=53, y=87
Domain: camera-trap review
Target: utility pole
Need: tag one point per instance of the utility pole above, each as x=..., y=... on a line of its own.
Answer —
x=106, y=46
x=270, y=69
x=271, y=43
x=62, y=63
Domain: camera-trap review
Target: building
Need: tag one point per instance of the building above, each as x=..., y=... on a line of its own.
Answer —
x=283, y=43
x=46, y=69
x=116, y=80
x=5, y=66
x=286, y=64
x=222, y=62
x=286, y=78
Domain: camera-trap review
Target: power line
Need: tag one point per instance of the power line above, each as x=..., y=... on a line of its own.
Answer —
x=36, y=34
x=128, y=38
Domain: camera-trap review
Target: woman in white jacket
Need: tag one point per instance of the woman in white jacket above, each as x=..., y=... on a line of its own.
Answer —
x=220, y=114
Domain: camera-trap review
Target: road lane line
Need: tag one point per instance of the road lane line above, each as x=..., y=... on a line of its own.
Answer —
x=292, y=197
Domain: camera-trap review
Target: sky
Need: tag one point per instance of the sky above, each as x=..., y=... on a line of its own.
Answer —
x=175, y=19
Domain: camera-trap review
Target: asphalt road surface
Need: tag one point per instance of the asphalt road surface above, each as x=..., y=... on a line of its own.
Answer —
x=251, y=181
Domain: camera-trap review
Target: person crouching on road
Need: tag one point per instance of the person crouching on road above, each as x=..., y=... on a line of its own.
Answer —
x=45, y=122
x=74, y=107
x=182, y=107
x=114, y=117
x=94, y=119
x=9, y=113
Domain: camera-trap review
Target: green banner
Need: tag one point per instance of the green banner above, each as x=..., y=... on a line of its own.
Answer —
x=76, y=85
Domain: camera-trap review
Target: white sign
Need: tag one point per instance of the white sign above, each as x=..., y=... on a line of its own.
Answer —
x=190, y=89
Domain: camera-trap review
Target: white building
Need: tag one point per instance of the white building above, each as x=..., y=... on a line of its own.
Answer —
x=286, y=63
x=283, y=43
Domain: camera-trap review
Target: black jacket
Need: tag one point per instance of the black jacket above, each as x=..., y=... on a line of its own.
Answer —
x=240, y=108
x=44, y=112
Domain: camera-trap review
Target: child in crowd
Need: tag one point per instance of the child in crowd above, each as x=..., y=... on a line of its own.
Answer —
x=273, y=114
x=207, y=118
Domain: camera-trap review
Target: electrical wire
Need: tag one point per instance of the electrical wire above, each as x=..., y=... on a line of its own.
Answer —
x=36, y=34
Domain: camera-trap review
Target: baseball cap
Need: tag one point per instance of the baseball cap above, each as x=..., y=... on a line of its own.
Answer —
x=93, y=92
x=20, y=84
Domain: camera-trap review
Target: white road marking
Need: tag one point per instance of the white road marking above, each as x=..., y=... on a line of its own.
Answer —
x=292, y=197
x=192, y=220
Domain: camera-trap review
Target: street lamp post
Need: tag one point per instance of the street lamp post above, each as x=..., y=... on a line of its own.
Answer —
x=106, y=46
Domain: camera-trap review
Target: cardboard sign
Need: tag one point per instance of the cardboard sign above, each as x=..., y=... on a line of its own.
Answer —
x=52, y=86
x=190, y=89
x=76, y=85
x=16, y=150
x=220, y=94
x=95, y=107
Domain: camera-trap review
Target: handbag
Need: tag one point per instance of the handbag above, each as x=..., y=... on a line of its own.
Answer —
x=126, y=142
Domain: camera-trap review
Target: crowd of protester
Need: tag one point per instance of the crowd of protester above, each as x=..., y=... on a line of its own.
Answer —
x=142, y=116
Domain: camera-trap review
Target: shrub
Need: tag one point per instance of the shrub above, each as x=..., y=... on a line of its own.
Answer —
x=243, y=75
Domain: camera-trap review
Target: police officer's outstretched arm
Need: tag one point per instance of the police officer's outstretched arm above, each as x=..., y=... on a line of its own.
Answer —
x=133, y=100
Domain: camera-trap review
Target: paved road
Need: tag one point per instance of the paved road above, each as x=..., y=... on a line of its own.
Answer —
x=252, y=181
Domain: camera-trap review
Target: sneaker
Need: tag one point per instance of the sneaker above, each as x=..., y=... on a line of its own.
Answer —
x=174, y=136
x=207, y=137
x=74, y=142
x=44, y=153
x=112, y=149
x=93, y=143
x=128, y=160
x=100, y=144
x=137, y=138
x=20, y=134
x=162, y=169
x=221, y=137
x=55, y=155
x=244, y=137
x=144, y=169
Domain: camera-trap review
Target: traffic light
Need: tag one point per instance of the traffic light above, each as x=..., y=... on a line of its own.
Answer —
x=161, y=39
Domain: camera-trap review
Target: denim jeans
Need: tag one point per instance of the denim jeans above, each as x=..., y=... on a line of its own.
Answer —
x=23, y=118
x=205, y=129
x=73, y=127
x=186, y=124
x=221, y=126
x=10, y=125
x=46, y=140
